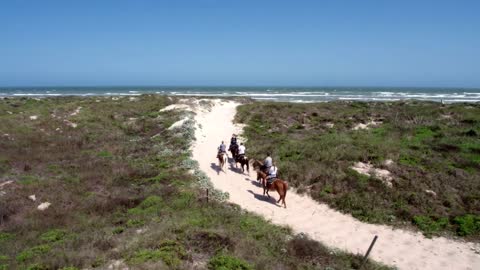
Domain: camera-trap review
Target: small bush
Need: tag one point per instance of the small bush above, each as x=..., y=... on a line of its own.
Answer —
x=5, y=236
x=53, y=236
x=169, y=252
x=118, y=230
x=428, y=225
x=104, y=154
x=37, y=267
x=225, y=262
x=33, y=252
x=468, y=225
x=135, y=223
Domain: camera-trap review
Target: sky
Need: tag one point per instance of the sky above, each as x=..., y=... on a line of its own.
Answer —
x=240, y=43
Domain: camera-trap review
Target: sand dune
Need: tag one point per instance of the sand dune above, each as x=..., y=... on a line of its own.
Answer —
x=403, y=249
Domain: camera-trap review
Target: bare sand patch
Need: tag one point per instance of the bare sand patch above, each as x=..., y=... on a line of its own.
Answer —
x=179, y=123
x=44, y=206
x=367, y=125
x=77, y=111
x=367, y=169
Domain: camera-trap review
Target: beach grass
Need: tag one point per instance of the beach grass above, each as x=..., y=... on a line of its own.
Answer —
x=431, y=152
x=122, y=193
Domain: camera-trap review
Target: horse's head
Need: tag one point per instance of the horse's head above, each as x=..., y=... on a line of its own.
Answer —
x=260, y=175
x=257, y=164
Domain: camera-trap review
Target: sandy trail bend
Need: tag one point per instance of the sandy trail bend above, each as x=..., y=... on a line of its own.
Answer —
x=403, y=249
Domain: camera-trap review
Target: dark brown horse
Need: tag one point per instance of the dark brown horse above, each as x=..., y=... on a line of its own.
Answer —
x=279, y=185
x=234, y=150
x=222, y=160
x=243, y=160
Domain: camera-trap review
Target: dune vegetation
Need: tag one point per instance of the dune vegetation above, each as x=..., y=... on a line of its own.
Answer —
x=104, y=182
x=406, y=163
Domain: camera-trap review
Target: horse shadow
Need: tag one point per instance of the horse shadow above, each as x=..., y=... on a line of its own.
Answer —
x=233, y=169
x=264, y=198
x=216, y=168
x=255, y=183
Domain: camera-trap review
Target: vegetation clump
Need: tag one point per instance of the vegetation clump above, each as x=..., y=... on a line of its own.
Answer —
x=431, y=151
x=224, y=262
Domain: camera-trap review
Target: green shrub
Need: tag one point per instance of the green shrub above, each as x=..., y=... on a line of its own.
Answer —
x=169, y=252
x=33, y=252
x=225, y=262
x=118, y=230
x=5, y=236
x=468, y=225
x=135, y=223
x=53, y=236
x=37, y=267
x=104, y=154
x=28, y=180
x=429, y=225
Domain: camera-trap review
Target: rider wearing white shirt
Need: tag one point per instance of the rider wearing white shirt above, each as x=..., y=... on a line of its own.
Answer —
x=241, y=149
x=241, y=152
x=272, y=174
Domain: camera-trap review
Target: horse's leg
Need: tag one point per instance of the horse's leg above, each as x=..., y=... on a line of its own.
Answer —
x=265, y=189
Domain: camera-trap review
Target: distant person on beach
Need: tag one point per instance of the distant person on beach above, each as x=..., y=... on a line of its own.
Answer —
x=222, y=149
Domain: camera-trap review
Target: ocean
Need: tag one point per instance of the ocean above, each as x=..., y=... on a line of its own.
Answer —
x=289, y=94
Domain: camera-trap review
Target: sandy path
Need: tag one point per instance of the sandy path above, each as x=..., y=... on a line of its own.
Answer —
x=405, y=250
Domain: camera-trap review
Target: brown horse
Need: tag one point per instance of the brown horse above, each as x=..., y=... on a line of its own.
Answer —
x=222, y=160
x=279, y=185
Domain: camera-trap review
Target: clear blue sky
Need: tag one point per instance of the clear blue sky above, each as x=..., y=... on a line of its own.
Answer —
x=240, y=42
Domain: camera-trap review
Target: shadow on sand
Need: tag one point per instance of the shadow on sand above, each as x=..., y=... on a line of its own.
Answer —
x=216, y=168
x=255, y=183
x=264, y=198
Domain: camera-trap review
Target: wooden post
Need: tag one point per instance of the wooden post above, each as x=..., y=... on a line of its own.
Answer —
x=207, y=195
x=368, y=252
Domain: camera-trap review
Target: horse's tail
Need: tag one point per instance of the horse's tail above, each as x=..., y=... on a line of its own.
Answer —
x=248, y=165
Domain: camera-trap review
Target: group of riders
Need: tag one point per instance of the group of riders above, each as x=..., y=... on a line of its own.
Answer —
x=238, y=153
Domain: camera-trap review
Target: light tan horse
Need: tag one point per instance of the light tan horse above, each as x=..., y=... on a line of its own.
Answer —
x=279, y=185
x=222, y=160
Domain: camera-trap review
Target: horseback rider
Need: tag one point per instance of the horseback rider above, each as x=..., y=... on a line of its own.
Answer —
x=267, y=164
x=241, y=151
x=272, y=175
x=233, y=143
x=222, y=149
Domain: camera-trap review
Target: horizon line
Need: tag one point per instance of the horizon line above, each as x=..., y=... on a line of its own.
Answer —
x=231, y=86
